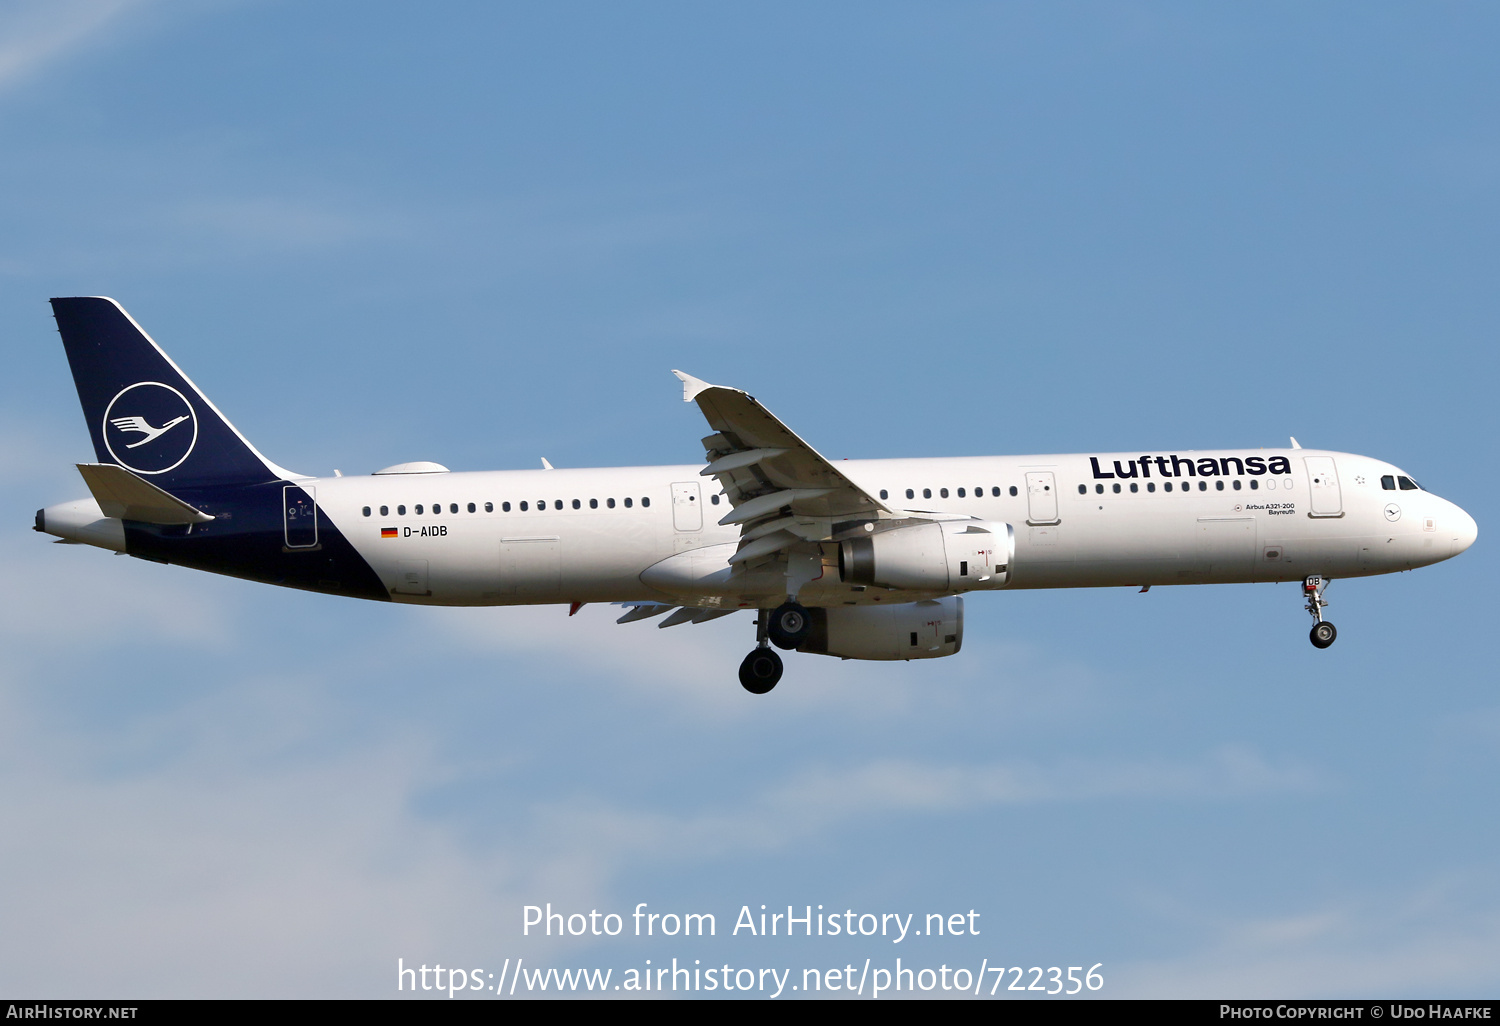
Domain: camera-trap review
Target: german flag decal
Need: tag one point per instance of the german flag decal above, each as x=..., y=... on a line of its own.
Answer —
x=387, y=532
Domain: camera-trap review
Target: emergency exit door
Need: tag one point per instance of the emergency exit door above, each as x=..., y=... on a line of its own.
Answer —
x=687, y=506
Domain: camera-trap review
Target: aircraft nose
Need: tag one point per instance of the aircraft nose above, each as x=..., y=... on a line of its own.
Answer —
x=1465, y=530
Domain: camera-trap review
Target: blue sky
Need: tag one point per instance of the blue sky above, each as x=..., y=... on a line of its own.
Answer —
x=482, y=234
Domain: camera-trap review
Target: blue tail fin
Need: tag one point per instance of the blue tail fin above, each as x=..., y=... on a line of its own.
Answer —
x=143, y=413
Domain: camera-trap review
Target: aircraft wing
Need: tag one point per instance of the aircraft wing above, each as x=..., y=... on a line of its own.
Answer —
x=779, y=487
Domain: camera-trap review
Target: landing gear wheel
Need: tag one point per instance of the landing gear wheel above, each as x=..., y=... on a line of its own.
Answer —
x=1323, y=634
x=760, y=671
x=789, y=625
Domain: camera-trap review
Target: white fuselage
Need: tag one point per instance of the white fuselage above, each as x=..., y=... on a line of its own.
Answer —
x=576, y=540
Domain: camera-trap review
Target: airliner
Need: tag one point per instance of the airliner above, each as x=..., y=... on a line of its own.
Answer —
x=859, y=559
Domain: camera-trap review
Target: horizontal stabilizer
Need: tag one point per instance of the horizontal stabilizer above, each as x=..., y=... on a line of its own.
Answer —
x=124, y=496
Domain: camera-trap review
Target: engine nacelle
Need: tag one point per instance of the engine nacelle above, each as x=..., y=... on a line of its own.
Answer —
x=905, y=630
x=945, y=556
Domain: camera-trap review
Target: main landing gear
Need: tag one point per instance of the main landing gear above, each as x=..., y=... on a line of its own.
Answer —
x=1323, y=633
x=760, y=671
x=789, y=625
x=786, y=627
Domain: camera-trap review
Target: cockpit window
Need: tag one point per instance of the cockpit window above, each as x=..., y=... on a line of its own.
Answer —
x=1388, y=482
x=1407, y=484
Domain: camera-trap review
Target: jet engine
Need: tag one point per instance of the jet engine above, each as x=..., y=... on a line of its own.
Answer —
x=903, y=630
x=943, y=556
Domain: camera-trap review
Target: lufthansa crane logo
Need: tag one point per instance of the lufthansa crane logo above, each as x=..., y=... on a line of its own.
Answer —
x=150, y=428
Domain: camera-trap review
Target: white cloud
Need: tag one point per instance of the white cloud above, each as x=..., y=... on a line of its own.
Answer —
x=692, y=668
x=1434, y=940
x=36, y=34
x=84, y=597
x=275, y=221
x=815, y=802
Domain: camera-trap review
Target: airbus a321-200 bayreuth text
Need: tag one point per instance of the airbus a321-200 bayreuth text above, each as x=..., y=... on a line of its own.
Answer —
x=861, y=559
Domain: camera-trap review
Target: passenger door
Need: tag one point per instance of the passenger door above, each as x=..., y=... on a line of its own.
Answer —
x=1325, y=500
x=1041, y=497
x=299, y=517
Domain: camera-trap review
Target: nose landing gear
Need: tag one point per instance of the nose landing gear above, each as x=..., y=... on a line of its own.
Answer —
x=1323, y=633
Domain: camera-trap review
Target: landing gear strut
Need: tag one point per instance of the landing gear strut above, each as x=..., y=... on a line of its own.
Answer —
x=789, y=625
x=1323, y=633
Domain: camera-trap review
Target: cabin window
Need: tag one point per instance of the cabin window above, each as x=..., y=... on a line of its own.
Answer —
x=910, y=494
x=883, y=494
x=943, y=493
x=577, y=504
x=366, y=511
x=417, y=509
x=627, y=502
x=1254, y=484
x=1219, y=485
x=504, y=507
x=610, y=503
x=1134, y=487
x=437, y=507
x=960, y=493
x=926, y=493
x=593, y=504
x=1116, y=487
x=524, y=506
x=401, y=511
x=1166, y=486
x=995, y=493
x=1099, y=489
x=1013, y=490
x=385, y=511
x=1407, y=484
x=1203, y=486
x=646, y=501
x=1236, y=484
x=489, y=507
x=715, y=499
x=1083, y=489
x=1150, y=486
